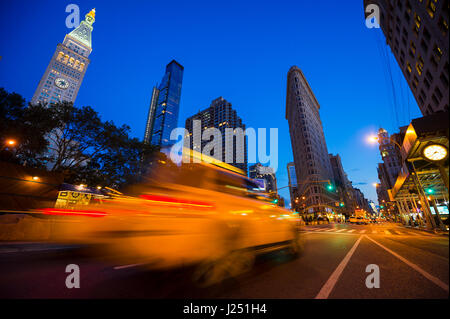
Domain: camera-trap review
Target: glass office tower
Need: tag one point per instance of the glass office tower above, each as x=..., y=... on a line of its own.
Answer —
x=164, y=107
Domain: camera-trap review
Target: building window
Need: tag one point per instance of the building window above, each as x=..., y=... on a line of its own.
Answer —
x=444, y=79
x=431, y=8
x=415, y=82
x=419, y=65
x=412, y=48
x=443, y=26
x=427, y=84
x=424, y=46
x=417, y=23
x=437, y=52
x=438, y=93
x=426, y=34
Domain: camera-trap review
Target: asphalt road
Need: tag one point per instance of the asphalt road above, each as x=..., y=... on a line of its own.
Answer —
x=412, y=264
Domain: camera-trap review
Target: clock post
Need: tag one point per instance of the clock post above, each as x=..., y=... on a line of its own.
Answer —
x=437, y=154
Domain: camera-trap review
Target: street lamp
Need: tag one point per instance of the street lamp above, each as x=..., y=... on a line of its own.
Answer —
x=373, y=139
x=9, y=143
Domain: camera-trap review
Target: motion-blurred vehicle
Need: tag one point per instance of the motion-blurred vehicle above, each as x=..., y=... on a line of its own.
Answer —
x=194, y=214
x=353, y=220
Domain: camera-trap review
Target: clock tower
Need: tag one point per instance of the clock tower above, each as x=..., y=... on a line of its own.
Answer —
x=64, y=74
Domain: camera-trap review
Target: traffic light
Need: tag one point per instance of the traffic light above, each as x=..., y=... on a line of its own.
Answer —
x=330, y=187
x=381, y=206
x=341, y=204
x=429, y=191
x=275, y=201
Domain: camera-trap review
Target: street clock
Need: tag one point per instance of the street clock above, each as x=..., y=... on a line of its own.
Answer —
x=435, y=152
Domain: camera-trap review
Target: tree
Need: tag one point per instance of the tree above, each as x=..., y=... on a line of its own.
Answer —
x=75, y=141
x=93, y=152
x=27, y=126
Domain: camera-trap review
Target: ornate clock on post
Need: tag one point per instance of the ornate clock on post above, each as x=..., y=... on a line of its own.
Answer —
x=437, y=154
x=65, y=72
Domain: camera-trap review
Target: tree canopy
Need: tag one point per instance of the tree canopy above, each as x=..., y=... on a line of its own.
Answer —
x=64, y=138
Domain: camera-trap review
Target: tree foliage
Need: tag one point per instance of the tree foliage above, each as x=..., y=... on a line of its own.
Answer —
x=75, y=141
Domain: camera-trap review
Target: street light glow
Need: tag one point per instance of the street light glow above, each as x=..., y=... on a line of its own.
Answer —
x=372, y=139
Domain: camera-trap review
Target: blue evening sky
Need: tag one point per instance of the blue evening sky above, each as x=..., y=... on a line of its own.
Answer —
x=241, y=50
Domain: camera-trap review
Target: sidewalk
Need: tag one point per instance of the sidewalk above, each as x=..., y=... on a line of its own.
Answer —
x=422, y=228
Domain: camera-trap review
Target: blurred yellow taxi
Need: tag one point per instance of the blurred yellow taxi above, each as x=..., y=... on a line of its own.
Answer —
x=197, y=214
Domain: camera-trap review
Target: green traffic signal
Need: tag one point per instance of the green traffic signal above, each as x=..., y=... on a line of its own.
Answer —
x=429, y=191
x=341, y=204
x=330, y=187
x=275, y=201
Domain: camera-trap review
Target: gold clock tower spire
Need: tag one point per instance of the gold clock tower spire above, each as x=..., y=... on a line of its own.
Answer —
x=65, y=72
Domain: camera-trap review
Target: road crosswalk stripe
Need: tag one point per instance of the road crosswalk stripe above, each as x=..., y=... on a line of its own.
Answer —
x=351, y=231
x=374, y=231
x=362, y=231
x=387, y=232
x=330, y=229
x=338, y=231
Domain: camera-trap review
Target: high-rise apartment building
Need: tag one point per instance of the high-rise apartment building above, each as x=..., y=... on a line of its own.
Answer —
x=312, y=163
x=220, y=115
x=417, y=33
x=65, y=72
x=164, y=107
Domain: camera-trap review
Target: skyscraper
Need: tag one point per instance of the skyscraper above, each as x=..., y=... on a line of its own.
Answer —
x=260, y=171
x=65, y=72
x=220, y=115
x=312, y=163
x=343, y=185
x=164, y=106
x=390, y=154
x=293, y=186
x=417, y=32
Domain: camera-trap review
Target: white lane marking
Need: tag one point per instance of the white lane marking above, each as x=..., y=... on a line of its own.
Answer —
x=399, y=232
x=374, y=231
x=387, y=232
x=330, y=229
x=338, y=231
x=412, y=234
x=433, y=279
x=331, y=282
x=362, y=231
x=126, y=266
x=351, y=230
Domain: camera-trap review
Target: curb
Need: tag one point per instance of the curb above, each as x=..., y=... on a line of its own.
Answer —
x=435, y=232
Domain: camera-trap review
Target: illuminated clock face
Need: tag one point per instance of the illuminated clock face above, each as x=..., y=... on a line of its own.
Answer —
x=61, y=83
x=435, y=152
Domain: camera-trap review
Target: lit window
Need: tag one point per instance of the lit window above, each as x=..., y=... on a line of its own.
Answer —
x=419, y=65
x=408, y=67
x=431, y=7
x=438, y=52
